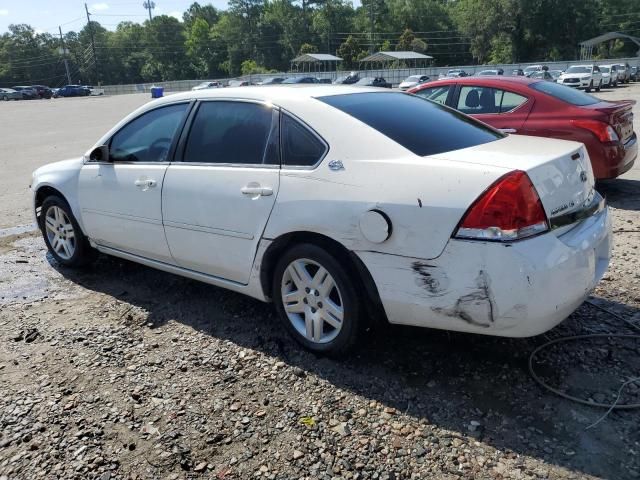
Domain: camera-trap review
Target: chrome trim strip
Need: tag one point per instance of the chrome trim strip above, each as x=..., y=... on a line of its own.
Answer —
x=123, y=216
x=214, y=231
x=596, y=206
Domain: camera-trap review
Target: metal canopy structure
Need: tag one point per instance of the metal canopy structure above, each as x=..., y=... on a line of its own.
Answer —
x=586, y=47
x=315, y=62
x=409, y=59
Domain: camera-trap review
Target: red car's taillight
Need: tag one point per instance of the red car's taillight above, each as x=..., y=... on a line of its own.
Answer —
x=508, y=210
x=603, y=131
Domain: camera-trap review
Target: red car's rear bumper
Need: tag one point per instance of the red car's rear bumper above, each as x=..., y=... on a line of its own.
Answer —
x=612, y=160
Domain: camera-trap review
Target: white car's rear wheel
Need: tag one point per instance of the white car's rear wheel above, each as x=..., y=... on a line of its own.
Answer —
x=316, y=299
x=62, y=234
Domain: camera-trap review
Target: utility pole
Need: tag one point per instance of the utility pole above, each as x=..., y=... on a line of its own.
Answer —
x=372, y=20
x=64, y=52
x=149, y=5
x=93, y=43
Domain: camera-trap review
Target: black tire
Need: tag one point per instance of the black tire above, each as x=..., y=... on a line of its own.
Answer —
x=588, y=89
x=83, y=253
x=347, y=287
x=5, y=98
x=598, y=87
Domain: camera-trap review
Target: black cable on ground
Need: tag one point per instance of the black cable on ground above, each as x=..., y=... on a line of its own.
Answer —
x=610, y=407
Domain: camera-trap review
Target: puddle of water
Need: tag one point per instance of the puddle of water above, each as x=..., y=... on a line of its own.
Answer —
x=5, y=232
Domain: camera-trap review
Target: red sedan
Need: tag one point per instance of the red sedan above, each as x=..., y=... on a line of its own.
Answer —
x=545, y=109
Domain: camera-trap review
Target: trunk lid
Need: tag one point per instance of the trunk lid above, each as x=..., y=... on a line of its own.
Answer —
x=619, y=115
x=560, y=170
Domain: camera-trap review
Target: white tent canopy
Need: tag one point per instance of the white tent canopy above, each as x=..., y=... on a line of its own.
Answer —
x=316, y=62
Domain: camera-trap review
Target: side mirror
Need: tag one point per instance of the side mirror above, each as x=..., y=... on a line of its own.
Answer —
x=100, y=154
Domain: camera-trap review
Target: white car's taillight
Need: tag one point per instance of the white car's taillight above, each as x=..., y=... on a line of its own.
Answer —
x=508, y=210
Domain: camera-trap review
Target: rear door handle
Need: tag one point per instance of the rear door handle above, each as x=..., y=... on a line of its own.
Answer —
x=508, y=130
x=256, y=190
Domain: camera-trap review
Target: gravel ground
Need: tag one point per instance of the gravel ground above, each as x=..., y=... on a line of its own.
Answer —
x=120, y=371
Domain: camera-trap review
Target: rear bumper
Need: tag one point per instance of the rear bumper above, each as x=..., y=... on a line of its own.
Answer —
x=611, y=161
x=513, y=290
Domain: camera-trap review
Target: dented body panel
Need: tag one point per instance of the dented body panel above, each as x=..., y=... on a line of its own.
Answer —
x=516, y=290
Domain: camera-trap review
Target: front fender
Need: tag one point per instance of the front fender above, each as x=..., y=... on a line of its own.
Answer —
x=63, y=177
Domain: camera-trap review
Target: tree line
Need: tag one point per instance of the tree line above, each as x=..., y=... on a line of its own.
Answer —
x=253, y=36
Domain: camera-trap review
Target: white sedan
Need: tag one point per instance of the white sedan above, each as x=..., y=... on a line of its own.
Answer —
x=588, y=77
x=326, y=201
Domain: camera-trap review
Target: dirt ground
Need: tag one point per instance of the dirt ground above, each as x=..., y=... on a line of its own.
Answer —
x=120, y=371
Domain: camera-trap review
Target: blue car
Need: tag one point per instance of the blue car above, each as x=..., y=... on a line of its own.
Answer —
x=73, y=91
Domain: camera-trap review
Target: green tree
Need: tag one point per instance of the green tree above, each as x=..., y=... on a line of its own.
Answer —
x=350, y=52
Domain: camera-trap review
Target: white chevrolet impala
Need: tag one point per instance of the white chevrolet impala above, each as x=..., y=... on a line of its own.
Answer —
x=338, y=204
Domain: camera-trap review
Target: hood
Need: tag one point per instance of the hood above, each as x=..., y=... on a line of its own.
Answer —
x=575, y=75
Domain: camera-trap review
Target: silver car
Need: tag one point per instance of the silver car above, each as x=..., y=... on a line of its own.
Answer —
x=7, y=94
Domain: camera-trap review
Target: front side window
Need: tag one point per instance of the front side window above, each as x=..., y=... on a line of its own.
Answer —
x=231, y=132
x=435, y=94
x=432, y=128
x=300, y=146
x=148, y=138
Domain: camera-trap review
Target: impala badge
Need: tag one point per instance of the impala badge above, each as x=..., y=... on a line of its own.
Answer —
x=336, y=165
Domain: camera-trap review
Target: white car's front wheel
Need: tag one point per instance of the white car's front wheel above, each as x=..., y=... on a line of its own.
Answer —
x=62, y=234
x=316, y=299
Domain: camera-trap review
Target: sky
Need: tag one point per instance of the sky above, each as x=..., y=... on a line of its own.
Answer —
x=46, y=15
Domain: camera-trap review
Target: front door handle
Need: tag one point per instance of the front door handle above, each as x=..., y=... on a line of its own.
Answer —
x=508, y=130
x=255, y=190
x=145, y=184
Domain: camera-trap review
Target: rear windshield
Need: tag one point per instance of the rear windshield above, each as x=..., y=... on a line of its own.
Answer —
x=566, y=94
x=579, y=70
x=421, y=126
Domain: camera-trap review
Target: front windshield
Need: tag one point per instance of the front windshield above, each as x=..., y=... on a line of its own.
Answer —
x=291, y=80
x=413, y=78
x=365, y=81
x=604, y=69
x=579, y=70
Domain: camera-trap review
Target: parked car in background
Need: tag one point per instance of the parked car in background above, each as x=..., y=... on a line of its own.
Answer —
x=373, y=82
x=95, y=91
x=73, y=91
x=294, y=80
x=582, y=76
x=456, y=72
x=546, y=109
x=326, y=81
x=28, y=93
x=42, y=91
x=624, y=72
x=533, y=68
x=410, y=223
x=412, y=81
x=7, y=94
x=555, y=74
x=349, y=79
x=483, y=73
x=634, y=74
x=542, y=75
x=517, y=72
x=239, y=83
x=205, y=85
x=609, y=75
x=272, y=81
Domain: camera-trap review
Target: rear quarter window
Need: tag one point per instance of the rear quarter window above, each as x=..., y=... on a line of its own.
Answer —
x=566, y=94
x=420, y=126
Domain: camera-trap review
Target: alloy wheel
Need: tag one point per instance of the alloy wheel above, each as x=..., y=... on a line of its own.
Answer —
x=60, y=232
x=312, y=301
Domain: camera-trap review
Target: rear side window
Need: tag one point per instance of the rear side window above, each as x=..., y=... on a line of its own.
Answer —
x=300, y=146
x=230, y=132
x=566, y=94
x=421, y=126
x=479, y=100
